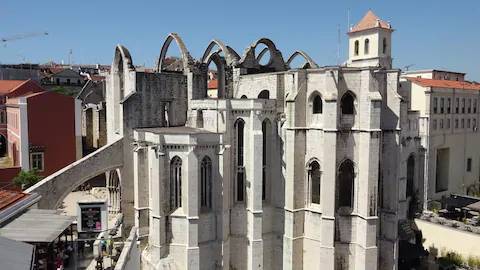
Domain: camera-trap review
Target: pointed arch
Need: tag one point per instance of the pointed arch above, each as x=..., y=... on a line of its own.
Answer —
x=206, y=183
x=316, y=103
x=266, y=157
x=122, y=65
x=261, y=54
x=175, y=183
x=220, y=63
x=230, y=58
x=308, y=59
x=314, y=174
x=347, y=103
x=239, y=189
x=345, y=189
x=276, y=59
x=187, y=60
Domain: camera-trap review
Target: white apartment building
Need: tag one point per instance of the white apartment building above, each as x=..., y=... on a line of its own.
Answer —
x=448, y=112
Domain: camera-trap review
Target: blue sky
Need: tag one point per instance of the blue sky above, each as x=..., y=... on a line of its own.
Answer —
x=429, y=34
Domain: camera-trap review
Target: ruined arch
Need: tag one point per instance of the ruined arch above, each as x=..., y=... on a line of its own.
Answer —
x=261, y=54
x=250, y=59
x=309, y=63
x=230, y=58
x=121, y=66
x=187, y=60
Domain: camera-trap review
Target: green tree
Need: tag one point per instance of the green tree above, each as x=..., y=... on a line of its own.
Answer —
x=26, y=179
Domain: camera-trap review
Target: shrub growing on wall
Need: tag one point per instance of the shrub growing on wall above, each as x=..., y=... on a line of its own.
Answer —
x=26, y=179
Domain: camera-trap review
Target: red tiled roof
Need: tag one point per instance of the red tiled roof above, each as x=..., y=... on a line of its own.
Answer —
x=213, y=84
x=9, y=197
x=7, y=86
x=445, y=83
x=369, y=21
x=18, y=88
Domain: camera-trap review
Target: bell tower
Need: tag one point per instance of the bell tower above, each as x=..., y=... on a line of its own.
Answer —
x=370, y=43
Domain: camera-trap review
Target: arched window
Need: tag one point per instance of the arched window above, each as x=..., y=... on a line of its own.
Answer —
x=206, y=183
x=410, y=176
x=347, y=103
x=314, y=181
x=345, y=185
x=243, y=97
x=266, y=128
x=264, y=94
x=317, y=105
x=367, y=46
x=175, y=183
x=384, y=46
x=240, y=169
x=357, y=47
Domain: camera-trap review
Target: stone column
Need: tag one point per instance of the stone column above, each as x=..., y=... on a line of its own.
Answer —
x=157, y=201
x=328, y=182
x=141, y=190
x=253, y=170
x=224, y=206
x=190, y=204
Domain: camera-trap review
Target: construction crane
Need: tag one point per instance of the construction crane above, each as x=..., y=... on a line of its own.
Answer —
x=22, y=36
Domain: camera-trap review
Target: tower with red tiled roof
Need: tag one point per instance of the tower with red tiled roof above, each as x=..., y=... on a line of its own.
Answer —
x=370, y=42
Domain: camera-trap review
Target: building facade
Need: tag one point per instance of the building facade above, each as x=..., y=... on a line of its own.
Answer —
x=46, y=140
x=447, y=107
x=288, y=168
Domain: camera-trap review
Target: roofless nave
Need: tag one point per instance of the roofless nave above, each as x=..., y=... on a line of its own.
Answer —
x=289, y=168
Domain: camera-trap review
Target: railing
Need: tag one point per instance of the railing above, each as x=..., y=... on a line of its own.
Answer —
x=130, y=257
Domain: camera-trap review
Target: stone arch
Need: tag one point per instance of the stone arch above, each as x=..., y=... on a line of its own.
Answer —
x=121, y=66
x=309, y=63
x=250, y=60
x=264, y=94
x=175, y=191
x=187, y=60
x=314, y=180
x=345, y=185
x=261, y=54
x=206, y=182
x=220, y=63
x=55, y=187
x=230, y=58
x=347, y=103
x=239, y=157
x=113, y=183
x=315, y=102
x=266, y=155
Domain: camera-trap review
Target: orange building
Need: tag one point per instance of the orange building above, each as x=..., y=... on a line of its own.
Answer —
x=42, y=128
